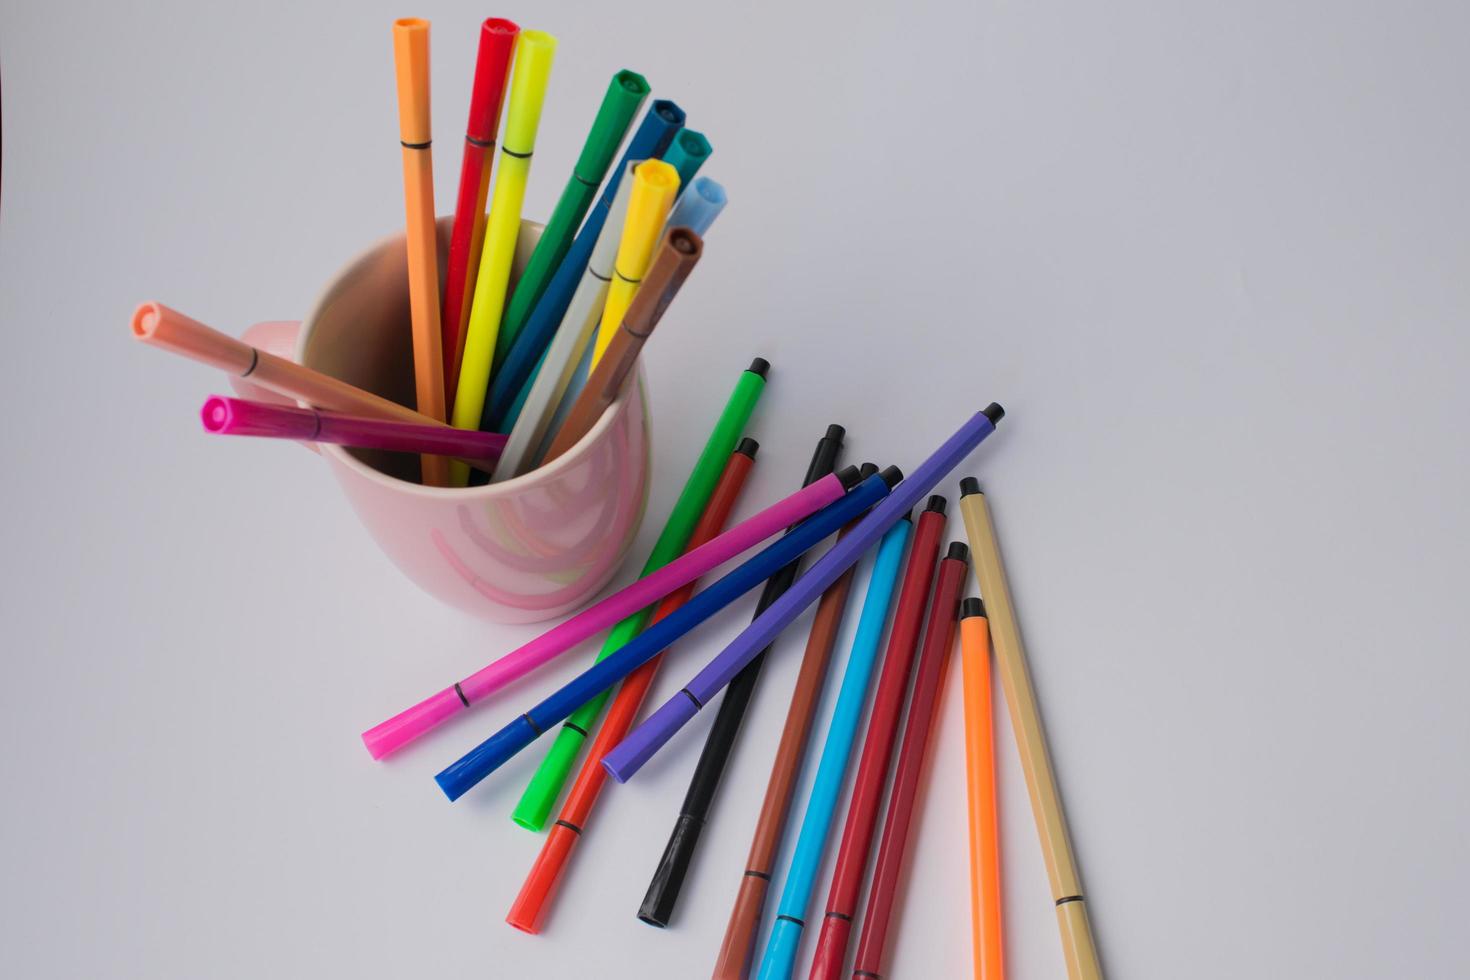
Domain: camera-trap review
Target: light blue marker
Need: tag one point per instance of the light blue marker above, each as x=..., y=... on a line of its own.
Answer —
x=700, y=207
x=796, y=895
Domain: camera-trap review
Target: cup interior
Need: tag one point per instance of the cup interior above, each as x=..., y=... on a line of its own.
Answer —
x=360, y=329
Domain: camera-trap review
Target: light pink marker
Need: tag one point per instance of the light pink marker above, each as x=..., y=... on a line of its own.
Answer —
x=428, y=714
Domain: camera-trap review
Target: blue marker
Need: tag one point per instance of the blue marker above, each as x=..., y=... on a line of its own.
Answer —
x=806, y=859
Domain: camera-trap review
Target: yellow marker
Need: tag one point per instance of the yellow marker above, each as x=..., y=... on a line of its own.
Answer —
x=655, y=185
x=534, y=53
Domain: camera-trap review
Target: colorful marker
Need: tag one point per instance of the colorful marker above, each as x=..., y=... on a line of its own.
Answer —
x=242, y=417
x=435, y=710
x=624, y=97
x=504, y=744
x=648, y=738
x=520, y=367
x=546, y=785
x=985, y=898
x=492, y=72
x=411, y=59
x=668, y=878
x=734, y=958
x=679, y=252
x=903, y=801
x=908, y=619
x=535, y=51
x=1078, y=948
x=655, y=184
x=529, y=909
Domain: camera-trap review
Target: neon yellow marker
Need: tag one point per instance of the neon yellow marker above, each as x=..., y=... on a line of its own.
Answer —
x=534, y=53
x=655, y=185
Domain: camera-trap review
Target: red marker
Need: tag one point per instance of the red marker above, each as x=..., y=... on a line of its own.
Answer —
x=933, y=663
x=492, y=70
x=867, y=791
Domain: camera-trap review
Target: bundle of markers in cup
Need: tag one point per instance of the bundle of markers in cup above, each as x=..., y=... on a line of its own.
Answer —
x=523, y=369
x=509, y=374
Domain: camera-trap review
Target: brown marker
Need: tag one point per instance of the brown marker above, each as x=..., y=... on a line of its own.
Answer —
x=745, y=918
x=675, y=259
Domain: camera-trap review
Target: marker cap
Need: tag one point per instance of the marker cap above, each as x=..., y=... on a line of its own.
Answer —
x=492, y=65
x=535, y=51
x=625, y=93
x=406, y=726
x=411, y=62
x=688, y=152
x=699, y=205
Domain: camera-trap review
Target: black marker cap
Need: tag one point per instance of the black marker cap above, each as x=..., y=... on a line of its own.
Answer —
x=993, y=412
x=892, y=476
x=835, y=432
x=850, y=476
x=867, y=470
x=935, y=505
x=968, y=486
x=958, y=551
x=759, y=366
x=748, y=447
x=971, y=606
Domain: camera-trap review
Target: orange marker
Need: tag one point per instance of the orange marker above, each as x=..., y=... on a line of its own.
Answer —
x=411, y=58
x=980, y=778
x=168, y=329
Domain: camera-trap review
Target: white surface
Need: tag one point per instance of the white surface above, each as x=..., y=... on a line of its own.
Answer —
x=1212, y=260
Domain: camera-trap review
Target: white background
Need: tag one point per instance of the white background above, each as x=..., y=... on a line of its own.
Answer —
x=1212, y=258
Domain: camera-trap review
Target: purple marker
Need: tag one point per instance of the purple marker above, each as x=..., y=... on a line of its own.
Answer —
x=242, y=417
x=645, y=740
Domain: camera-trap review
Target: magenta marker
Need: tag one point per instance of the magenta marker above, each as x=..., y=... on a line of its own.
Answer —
x=241, y=417
x=431, y=712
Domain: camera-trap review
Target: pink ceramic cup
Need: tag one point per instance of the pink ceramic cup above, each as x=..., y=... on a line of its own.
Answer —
x=519, y=551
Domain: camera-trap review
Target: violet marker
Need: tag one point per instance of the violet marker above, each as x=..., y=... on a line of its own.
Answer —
x=642, y=742
x=242, y=417
x=434, y=710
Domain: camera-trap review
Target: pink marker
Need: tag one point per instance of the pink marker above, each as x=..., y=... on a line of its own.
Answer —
x=431, y=712
x=242, y=417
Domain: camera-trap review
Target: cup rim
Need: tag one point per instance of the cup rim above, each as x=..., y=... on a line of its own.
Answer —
x=340, y=456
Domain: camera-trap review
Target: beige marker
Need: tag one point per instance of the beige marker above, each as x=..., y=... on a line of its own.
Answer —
x=1046, y=802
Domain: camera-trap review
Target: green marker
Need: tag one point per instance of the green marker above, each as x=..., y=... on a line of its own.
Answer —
x=625, y=95
x=687, y=154
x=546, y=785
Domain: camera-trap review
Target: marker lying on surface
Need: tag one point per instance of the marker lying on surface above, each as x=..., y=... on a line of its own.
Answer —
x=668, y=876
x=985, y=897
x=625, y=760
x=908, y=619
x=849, y=870
x=1079, y=950
x=685, y=519
x=428, y=714
x=904, y=797
x=490, y=754
x=531, y=904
